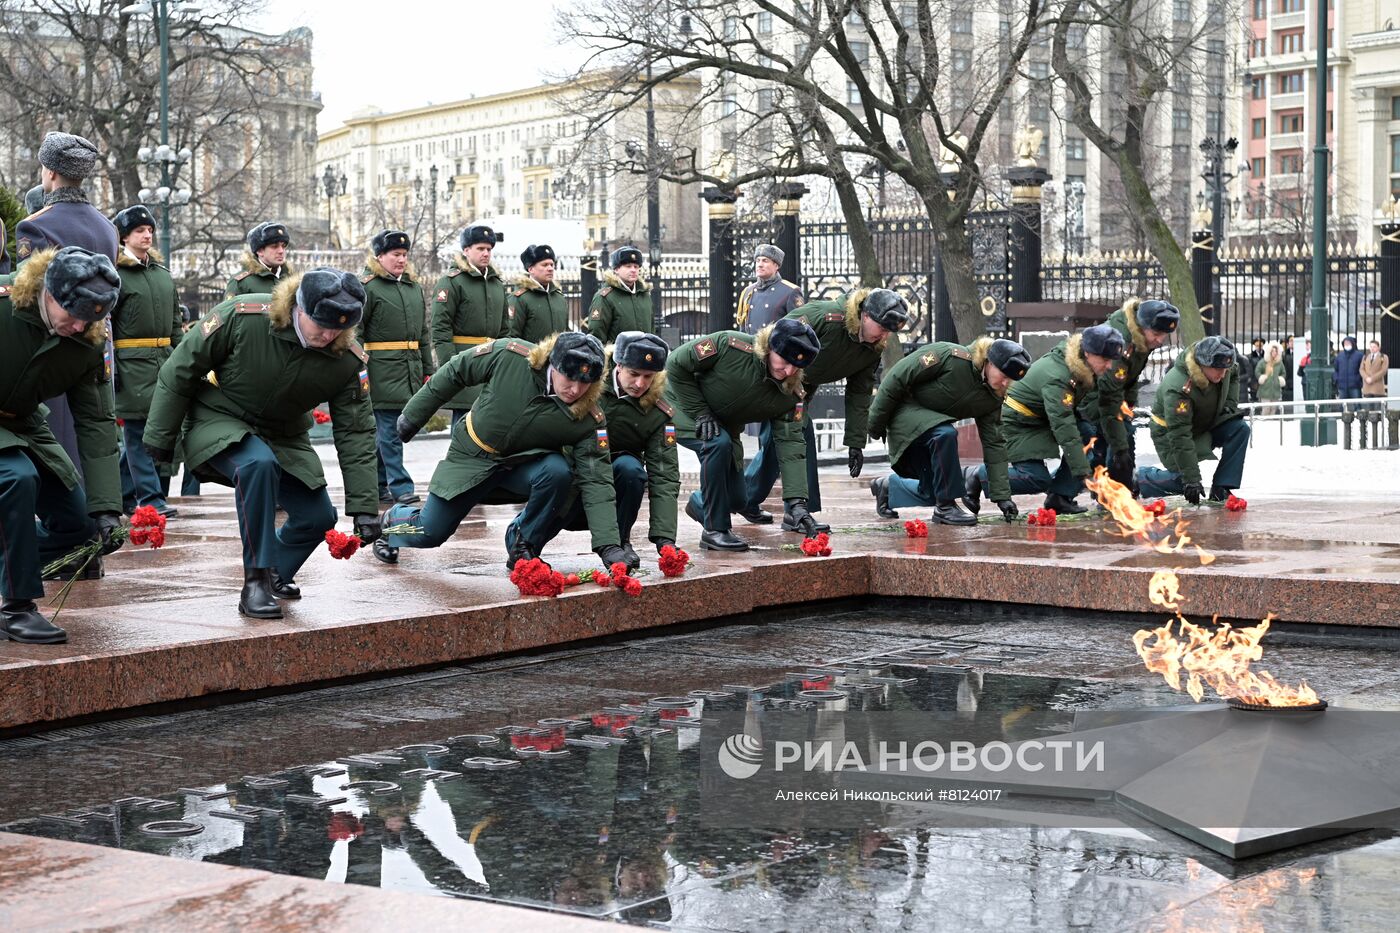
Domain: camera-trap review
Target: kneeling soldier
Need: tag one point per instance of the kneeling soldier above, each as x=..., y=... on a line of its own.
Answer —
x=624, y=302
x=1197, y=410
x=52, y=342
x=264, y=261
x=718, y=383
x=919, y=401
x=400, y=355
x=852, y=330
x=243, y=382
x=534, y=432
x=1039, y=421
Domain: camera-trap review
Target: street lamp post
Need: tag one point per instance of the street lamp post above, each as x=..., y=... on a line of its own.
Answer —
x=1319, y=372
x=333, y=186
x=1218, y=156
x=432, y=181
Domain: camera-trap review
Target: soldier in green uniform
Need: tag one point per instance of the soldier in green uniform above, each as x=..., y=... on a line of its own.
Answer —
x=641, y=441
x=852, y=329
x=272, y=359
x=264, y=261
x=624, y=301
x=469, y=308
x=917, y=407
x=716, y=384
x=1145, y=326
x=535, y=431
x=537, y=307
x=145, y=327
x=53, y=342
x=1039, y=420
x=400, y=358
x=1197, y=410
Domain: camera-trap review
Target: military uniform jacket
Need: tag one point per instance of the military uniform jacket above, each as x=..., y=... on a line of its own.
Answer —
x=1187, y=408
x=645, y=428
x=393, y=333
x=1039, y=420
x=515, y=421
x=265, y=384
x=35, y=365
x=617, y=308
x=937, y=384
x=726, y=374
x=1119, y=384
x=763, y=302
x=67, y=219
x=536, y=312
x=146, y=327
x=843, y=356
x=469, y=309
x=256, y=278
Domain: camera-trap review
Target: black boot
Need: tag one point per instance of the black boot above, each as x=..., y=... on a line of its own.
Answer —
x=93, y=570
x=283, y=589
x=721, y=541
x=1062, y=505
x=256, y=600
x=972, y=482
x=382, y=550
x=23, y=623
x=757, y=516
x=517, y=548
x=1219, y=493
x=880, y=489
x=692, y=513
x=408, y=498
x=950, y=513
x=790, y=525
x=634, y=560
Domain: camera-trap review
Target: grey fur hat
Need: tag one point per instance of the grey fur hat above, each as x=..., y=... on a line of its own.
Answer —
x=769, y=251
x=84, y=284
x=68, y=155
x=331, y=298
x=1103, y=340
x=34, y=199
x=1214, y=352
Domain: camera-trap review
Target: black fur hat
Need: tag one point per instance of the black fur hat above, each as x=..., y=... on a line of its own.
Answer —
x=534, y=254
x=138, y=215
x=480, y=233
x=1009, y=357
x=267, y=233
x=795, y=341
x=1158, y=315
x=886, y=309
x=625, y=254
x=637, y=350
x=331, y=298
x=1214, y=352
x=386, y=240
x=84, y=284
x=578, y=356
x=1103, y=340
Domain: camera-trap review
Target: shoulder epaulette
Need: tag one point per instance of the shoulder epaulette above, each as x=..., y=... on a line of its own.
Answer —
x=454, y=273
x=597, y=414
x=738, y=344
x=961, y=354
x=604, y=291
x=252, y=307
x=40, y=212
x=359, y=351
x=522, y=348
x=834, y=316
x=241, y=276
x=520, y=291
x=367, y=278
x=790, y=284
x=665, y=406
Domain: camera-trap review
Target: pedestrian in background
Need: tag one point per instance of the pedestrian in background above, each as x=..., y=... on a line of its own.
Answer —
x=1268, y=374
x=1346, y=369
x=1375, y=367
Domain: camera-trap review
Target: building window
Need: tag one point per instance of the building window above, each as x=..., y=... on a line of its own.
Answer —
x=1290, y=163
x=1258, y=48
x=1395, y=107
x=1181, y=11
x=1258, y=128
x=1038, y=70
x=731, y=32
x=961, y=22
x=765, y=24
x=1256, y=88
x=1181, y=119
x=961, y=60
x=1074, y=148
x=766, y=98
x=1040, y=114
x=1395, y=166
x=1290, y=82
x=1076, y=36
x=728, y=107
x=860, y=51
x=1290, y=121
x=1258, y=166
x=1261, y=9
x=1290, y=40
x=1290, y=6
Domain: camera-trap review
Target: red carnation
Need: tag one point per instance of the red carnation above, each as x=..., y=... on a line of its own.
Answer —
x=632, y=586
x=1235, y=503
x=320, y=417
x=1041, y=517
x=536, y=578
x=602, y=579
x=147, y=527
x=916, y=529
x=341, y=545
x=1158, y=508
x=572, y=579
x=820, y=546
x=673, y=561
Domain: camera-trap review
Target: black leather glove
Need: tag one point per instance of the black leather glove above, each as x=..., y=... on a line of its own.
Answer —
x=406, y=429
x=109, y=526
x=662, y=542
x=707, y=428
x=1122, y=469
x=797, y=510
x=611, y=554
x=1008, y=509
x=159, y=454
x=855, y=460
x=1193, y=493
x=368, y=528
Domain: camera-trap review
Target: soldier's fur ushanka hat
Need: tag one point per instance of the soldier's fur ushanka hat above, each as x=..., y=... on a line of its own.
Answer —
x=578, y=356
x=386, y=240
x=795, y=341
x=636, y=350
x=331, y=298
x=84, y=284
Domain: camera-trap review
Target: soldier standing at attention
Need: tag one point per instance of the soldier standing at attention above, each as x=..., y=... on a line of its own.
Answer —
x=537, y=307
x=400, y=358
x=146, y=327
x=264, y=261
x=66, y=219
x=624, y=303
x=469, y=308
x=274, y=358
x=770, y=296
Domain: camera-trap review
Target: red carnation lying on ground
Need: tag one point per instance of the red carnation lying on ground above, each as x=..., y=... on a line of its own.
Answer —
x=628, y=584
x=1235, y=503
x=341, y=545
x=673, y=561
x=916, y=529
x=320, y=417
x=1158, y=508
x=820, y=546
x=536, y=578
x=147, y=527
x=1041, y=517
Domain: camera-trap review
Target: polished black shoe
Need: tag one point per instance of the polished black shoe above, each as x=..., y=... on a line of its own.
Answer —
x=256, y=601
x=950, y=513
x=166, y=510
x=1063, y=506
x=382, y=550
x=757, y=516
x=23, y=623
x=634, y=560
x=409, y=498
x=722, y=541
x=790, y=525
x=692, y=513
x=972, y=482
x=1219, y=493
x=517, y=548
x=385, y=495
x=93, y=570
x=283, y=589
x=880, y=489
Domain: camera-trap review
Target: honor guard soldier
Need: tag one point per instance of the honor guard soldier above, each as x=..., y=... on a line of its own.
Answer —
x=1197, y=410
x=264, y=261
x=852, y=330
x=469, y=307
x=917, y=407
x=270, y=360
x=1144, y=326
x=66, y=218
x=146, y=327
x=53, y=342
x=400, y=358
x=719, y=382
x=641, y=442
x=535, y=433
x=770, y=296
x=624, y=302
x=1039, y=421
x=537, y=307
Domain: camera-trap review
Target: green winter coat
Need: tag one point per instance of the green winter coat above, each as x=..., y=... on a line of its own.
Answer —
x=1053, y=388
x=843, y=356
x=536, y=312
x=265, y=384
x=514, y=421
x=617, y=308
x=639, y=426
x=256, y=278
x=35, y=365
x=149, y=310
x=941, y=383
x=726, y=373
x=1120, y=383
x=469, y=309
x=1187, y=408
x=394, y=314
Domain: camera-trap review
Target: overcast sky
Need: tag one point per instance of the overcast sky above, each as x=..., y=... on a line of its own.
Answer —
x=436, y=51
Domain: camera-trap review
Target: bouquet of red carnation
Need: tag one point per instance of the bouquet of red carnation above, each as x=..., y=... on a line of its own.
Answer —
x=673, y=561
x=320, y=417
x=820, y=546
x=1041, y=517
x=147, y=527
x=916, y=529
x=620, y=579
x=1235, y=503
x=1158, y=508
x=534, y=577
x=341, y=545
